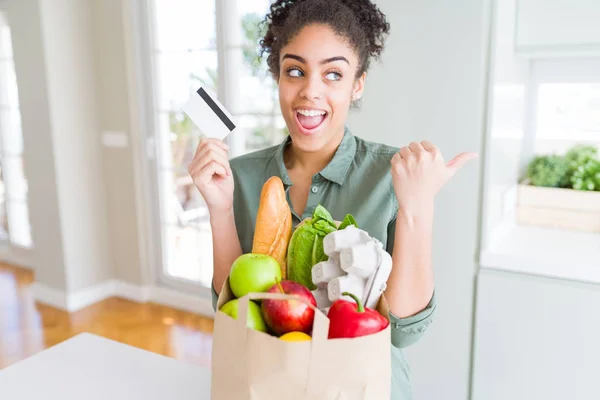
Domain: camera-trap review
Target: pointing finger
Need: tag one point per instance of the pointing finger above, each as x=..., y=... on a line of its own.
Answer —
x=460, y=160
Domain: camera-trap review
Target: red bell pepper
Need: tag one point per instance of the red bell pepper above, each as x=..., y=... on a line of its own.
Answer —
x=351, y=319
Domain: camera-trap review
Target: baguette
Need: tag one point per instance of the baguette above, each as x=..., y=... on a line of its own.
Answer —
x=273, y=227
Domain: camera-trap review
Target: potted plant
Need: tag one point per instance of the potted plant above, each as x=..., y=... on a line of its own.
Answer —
x=562, y=191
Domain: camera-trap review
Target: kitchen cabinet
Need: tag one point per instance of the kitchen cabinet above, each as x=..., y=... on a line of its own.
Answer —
x=535, y=338
x=557, y=27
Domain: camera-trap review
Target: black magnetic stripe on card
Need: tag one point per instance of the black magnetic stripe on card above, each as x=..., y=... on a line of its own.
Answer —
x=213, y=106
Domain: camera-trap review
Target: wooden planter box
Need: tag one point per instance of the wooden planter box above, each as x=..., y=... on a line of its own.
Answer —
x=558, y=208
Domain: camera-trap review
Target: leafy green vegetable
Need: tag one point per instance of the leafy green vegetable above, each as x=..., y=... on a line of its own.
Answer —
x=348, y=220
x=325, y=226
x=306, y=245
x=321, y=213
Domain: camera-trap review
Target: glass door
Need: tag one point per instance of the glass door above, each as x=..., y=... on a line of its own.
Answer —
x=15, y=230
x=184, y=57
x=184, y=51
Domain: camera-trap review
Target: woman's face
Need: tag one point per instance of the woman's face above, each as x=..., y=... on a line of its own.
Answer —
x=317, y=82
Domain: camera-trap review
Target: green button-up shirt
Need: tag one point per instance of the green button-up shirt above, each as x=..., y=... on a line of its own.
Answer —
x=357, y=181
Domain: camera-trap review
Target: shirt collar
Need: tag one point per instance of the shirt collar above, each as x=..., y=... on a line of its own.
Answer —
x=338, y=167
x=335, y=171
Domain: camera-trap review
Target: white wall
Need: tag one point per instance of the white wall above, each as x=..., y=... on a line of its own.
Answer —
x=113, y=98
x=54, y=62
x=25, y=22
x=72, y=75
x=430, y=85
x=552, y=26
x=70, y=59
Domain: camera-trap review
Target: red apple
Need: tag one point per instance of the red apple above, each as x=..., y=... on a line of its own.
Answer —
x=284, y=316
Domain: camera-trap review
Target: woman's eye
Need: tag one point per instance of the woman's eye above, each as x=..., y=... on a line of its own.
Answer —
x=333, y=76
x=294, y=72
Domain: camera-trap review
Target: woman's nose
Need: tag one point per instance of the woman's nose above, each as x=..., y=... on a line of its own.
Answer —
x=312, y=90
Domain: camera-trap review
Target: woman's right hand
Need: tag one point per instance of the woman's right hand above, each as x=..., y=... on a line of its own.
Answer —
x=211, y=173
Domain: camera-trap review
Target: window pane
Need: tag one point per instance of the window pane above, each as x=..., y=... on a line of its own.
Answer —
x=8, y=84
x=181, y=201
x=188, y=251
x=170, y=207
x=568, y=109
x=182, y=25
x=3, y=216
x=251, y=14
x=258, y=90
x=205, y=254
x=5, y=40
x=188, y=240
x=257, y=87
x=181, y=74
x=14, y=215
x=567, y=113
x=14, y=178
x=261, y=131
x=179, y=138
x=254, y=6
x=18, y=222
x=10, y=132
x=508, y=108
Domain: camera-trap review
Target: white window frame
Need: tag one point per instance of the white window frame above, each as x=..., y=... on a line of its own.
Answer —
x=579, y=70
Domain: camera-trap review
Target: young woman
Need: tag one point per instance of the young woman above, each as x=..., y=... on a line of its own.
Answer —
x=319, y=53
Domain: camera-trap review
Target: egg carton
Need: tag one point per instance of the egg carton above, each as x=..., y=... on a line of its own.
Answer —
x=357, y=263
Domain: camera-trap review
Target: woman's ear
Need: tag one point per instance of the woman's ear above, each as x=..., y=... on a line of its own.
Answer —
x=359, y=85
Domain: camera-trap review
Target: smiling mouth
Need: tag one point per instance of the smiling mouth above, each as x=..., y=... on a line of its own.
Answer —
x=310, y=119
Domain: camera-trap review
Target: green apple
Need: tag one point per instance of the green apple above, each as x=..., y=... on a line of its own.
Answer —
x=255, y=319
x=253, y=273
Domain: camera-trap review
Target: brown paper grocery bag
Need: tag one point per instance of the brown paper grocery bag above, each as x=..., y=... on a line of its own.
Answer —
x=252, y=365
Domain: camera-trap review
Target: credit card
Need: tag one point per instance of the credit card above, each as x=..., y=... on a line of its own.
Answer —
x=209, y=115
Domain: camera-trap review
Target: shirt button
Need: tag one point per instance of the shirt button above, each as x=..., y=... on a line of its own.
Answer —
x=314, y=189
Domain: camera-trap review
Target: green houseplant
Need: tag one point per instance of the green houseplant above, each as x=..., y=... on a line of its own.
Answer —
x=587, y=175
x=562, y=191
x=578, y=169
x=547, y=170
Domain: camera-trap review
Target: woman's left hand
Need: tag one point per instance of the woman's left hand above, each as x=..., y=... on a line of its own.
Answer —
x=419, y=172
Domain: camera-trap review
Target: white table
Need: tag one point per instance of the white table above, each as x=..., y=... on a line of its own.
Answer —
x=93, y=368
